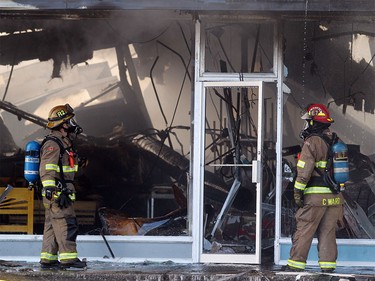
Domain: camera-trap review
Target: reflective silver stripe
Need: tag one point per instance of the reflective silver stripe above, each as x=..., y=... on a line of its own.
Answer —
x=48, y=256
x=321, y=164
x=49, y=183
x=52, y=167
x=324, y=264
x=296, y=264
x=68, y=169
x=341, y=170
x=299, y=185
x=68, y=256
x=301, y=164
x=317, y=190
x=31, y=172
x=72, y=196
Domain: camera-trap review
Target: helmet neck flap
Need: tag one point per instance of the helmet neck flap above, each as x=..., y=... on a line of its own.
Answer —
x=312, y=127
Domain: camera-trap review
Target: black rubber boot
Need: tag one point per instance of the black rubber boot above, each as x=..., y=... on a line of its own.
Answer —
x=293, y=269
x=328, y=270
x=50, y=265
x=76, y=264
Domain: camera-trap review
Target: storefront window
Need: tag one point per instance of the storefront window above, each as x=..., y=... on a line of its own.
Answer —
x=132, y=101
x=332, y=64
x=239, y=47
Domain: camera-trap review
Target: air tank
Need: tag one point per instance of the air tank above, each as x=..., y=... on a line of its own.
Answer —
x=32, y=159
x=340, y=162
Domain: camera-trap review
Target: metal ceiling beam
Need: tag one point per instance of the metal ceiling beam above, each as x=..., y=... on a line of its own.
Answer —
x=196, y=5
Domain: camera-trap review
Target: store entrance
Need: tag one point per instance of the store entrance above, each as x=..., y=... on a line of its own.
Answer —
x=234, y=140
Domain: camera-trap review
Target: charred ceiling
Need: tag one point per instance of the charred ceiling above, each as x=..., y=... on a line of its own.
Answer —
x=70, y=36
x=56, y=40
x=199, y=5
x=61, y=37
x=69, y=31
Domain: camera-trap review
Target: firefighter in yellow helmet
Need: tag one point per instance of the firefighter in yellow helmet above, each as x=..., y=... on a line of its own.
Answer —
x=58, y=165
x=320, y=209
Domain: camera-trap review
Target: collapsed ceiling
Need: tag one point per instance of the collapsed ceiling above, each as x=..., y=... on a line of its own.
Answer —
x=69, y=31
x=71, y=36
x=196, y=5
x=72, y=41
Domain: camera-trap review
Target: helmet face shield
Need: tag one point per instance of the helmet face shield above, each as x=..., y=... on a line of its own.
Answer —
x=305, y=125
x=306, y=116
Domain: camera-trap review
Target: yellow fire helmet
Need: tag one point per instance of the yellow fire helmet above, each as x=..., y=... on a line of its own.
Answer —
x=59, y=114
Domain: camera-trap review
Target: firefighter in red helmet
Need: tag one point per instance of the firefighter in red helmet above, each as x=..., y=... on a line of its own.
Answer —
x=58, y=165
x=320, y=209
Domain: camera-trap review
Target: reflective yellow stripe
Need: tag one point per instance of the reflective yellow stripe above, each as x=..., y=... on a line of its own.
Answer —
x=52, y=167
x=317, y=190
x=300, y=186
x=68, y=256
x=72, y=196
x=68, y=169
x=321, y=164
x=49, y=183
x=48, y=256
x=324, y=264
x=301, y=164
x=296, y=264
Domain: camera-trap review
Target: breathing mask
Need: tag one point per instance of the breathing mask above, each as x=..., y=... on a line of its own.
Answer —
x=312, y=127
x=73, y=127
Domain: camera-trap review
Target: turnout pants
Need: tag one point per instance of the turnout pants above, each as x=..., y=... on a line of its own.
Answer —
x=60, y=234
x=323, y=221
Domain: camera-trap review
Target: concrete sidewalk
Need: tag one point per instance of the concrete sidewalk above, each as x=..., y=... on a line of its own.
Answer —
x=103, y=271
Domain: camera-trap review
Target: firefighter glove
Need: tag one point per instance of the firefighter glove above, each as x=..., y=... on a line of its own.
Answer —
x=64, y=201
x=298, y=197
x=83, y=162
x=49, y=191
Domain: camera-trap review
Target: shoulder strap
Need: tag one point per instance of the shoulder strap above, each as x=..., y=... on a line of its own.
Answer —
x=57, y=140
x=62, y=149
x=329, y=141
x=326, y=175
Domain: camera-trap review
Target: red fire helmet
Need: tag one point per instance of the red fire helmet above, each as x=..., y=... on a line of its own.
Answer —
x=318, y=112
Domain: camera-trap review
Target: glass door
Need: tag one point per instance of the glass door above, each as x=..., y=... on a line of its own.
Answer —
x=233, y=172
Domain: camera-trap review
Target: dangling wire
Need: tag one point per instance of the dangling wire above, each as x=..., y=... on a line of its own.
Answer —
x=304, y=50
x=9, y=78
x=10, y=73
x=155, y=91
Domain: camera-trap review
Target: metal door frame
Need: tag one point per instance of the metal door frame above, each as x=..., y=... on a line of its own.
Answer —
x=256, y=178
x=202, y=80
